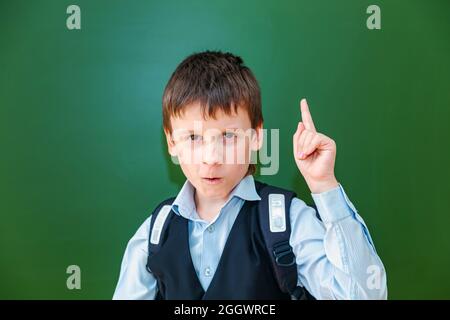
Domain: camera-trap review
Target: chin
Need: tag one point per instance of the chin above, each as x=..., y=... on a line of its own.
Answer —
x=213, y=191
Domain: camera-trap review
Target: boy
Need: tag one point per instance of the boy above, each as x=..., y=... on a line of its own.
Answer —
x=208, y=243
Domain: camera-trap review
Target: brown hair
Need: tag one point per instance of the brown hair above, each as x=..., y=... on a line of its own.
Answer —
x=217, y=81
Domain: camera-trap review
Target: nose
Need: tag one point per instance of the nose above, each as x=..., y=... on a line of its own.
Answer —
x=212, y=153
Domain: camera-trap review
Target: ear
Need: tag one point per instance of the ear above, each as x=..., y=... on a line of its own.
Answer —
x=257, y=139
x=170, y=143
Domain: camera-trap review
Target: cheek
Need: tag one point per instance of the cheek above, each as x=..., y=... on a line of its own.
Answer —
x=243, y=148
x=188, y=155
x=189, y=171
x=237, y=153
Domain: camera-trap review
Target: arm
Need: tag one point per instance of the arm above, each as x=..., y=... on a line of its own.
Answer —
x=336, y=258
x=135, y=282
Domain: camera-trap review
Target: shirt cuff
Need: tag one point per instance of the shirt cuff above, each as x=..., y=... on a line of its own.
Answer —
x=333, y=205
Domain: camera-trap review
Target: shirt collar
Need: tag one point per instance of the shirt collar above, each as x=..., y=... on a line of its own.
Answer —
x=184, y=203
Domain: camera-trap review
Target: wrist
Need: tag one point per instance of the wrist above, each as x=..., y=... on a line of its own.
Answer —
x=322, y=185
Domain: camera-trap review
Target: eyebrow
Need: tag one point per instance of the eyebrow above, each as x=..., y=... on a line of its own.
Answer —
x=190, y=131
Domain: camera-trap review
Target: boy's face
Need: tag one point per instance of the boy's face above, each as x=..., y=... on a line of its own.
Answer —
x=214, y=154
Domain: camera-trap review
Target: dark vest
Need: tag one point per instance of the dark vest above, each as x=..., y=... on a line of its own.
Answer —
x=244, y=270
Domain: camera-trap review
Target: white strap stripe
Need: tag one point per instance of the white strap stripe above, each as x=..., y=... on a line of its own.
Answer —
x=159, y=224
x=277, y=213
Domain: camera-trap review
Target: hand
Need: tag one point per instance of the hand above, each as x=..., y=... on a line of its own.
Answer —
x=314, y=154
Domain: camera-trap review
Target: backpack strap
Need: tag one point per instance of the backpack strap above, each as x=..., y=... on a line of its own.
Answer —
x=160, y=219
x=274, y=220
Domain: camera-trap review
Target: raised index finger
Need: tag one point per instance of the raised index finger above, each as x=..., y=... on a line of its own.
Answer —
x=306, y=116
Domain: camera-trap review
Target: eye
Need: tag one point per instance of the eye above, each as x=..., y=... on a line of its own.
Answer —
x=229, y=138
x=195, y=137
x=229, y=135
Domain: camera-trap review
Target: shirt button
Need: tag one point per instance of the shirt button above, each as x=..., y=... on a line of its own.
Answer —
x=208, y=271
x=211, y=229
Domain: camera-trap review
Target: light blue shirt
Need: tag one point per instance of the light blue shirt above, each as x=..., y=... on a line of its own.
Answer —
x=336, y=258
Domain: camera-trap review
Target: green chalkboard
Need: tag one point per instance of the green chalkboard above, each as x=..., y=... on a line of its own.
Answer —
x=83, y=159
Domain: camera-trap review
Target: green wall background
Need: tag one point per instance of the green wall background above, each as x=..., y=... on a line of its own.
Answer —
x=82, y=157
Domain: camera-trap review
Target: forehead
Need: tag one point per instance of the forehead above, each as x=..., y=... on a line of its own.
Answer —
x=192, y=114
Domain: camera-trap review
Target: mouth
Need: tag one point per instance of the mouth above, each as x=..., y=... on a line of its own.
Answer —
x=214, y=180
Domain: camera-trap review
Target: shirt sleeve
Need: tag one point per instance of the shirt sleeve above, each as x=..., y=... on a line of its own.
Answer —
x=135, y=282
x=336, y=257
